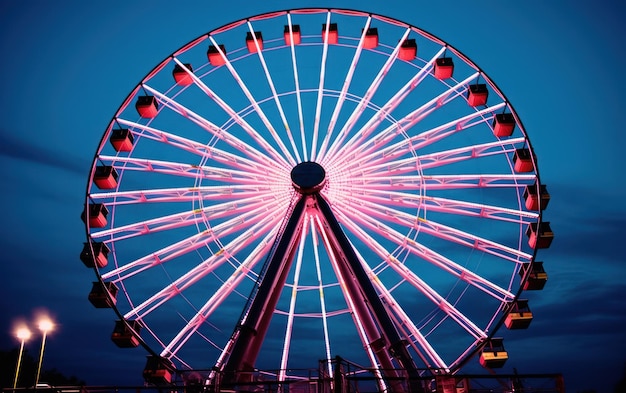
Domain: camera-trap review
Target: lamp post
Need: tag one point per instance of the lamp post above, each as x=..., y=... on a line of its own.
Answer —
x=45, y=325
x=23, y=334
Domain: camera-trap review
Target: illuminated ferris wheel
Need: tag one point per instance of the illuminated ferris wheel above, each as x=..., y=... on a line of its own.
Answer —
x=310, y=183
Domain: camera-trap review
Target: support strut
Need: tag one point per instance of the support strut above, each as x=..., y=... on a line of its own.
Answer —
x=347, y=256
x=251, y=332
x=309, y=179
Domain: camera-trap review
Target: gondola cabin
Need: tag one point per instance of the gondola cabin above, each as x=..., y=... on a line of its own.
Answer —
x=252, y=46
x=493, y=355
x=333, y=33
x=121, y=139
x=125, y=334
x=522, y=160
x=158, y=370
x=97, y=215
x=519, y=316
x=408, y=50
x=537, y=276
x=294, y=32
x=214, y=56
x=98, y=257
x=444, y=68
x=103, y=294
x=539, y=236
x=181, y=76
x=536, y=198
x=451, y=384
x=105, y=177
x=477, y=94
x=147, y=106
x=371, y=38
x=503, y=124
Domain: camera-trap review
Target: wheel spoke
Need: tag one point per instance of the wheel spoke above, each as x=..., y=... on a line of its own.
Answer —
x=387, y=161
x=219, y=296
x=239, y=209
x=292, y=304
x=318, y=271
x=358, y=111
x=363, y=133
x=365, y=340
x=425, y=138
x=344, y=89
x=297, y=85
x=205, y=150
x=368, y=218
x=278, y=105
x=213, y=173
x=201, y=270
x=320, y=90
x=449, y=206
x=214, y=129
x=441, y=182
x=189, y=244
x=417, y=282
x=180, y=194
x=426, y=351
x=409, y=221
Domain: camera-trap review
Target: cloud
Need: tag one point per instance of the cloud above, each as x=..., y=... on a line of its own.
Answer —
x=25, y=150
x=593, y=308
x=595, y=236
x=578, y=331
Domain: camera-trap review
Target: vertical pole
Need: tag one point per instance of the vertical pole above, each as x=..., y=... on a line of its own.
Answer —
x=43, y=345
x=19, y=363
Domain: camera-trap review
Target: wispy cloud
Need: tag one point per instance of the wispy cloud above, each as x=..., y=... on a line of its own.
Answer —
x=29, y=151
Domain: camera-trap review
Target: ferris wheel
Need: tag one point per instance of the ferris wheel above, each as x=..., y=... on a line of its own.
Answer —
x=310, y=183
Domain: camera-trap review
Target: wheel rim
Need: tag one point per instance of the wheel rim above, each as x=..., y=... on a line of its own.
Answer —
x=429, y=197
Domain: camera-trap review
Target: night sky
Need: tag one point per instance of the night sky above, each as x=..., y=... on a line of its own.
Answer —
x=69, y=65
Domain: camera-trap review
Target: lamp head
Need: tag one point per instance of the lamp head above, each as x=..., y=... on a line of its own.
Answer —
x=45, y=325
x=23, y=333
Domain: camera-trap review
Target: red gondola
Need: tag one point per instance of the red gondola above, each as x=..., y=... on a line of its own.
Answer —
x=477, y=94
x=125, y=334
x=252, y=46
x=408, y=50
x=295, y=32
x=444, y=68
x=333, y=33
x=122, y=139
x=147, y=106
x=181, y=76
x=214, y=56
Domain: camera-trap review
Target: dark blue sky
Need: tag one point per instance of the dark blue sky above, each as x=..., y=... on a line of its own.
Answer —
x=68, y=66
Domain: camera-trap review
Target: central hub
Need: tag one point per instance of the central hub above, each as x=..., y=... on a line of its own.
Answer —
x=308, y=177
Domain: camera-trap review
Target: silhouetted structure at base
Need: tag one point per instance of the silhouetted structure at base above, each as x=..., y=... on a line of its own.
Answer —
x=341, y=376
x=346, y=377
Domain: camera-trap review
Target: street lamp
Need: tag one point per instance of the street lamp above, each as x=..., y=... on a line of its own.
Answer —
x=23, y=334
x=45, y=325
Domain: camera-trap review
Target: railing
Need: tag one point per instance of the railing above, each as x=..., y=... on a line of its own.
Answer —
x=353, y=381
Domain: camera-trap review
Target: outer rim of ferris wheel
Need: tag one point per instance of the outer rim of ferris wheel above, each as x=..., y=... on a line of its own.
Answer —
x=276, y=161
